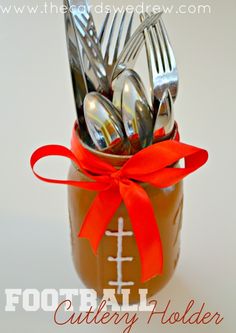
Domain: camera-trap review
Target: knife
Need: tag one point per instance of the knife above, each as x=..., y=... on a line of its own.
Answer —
x=79, y=81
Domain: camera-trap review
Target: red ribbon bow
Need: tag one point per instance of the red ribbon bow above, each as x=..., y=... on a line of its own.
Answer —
x=150, y=165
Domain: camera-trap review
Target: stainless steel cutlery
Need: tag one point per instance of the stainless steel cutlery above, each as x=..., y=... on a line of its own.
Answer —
x=161, y=61
x=130, y=99
x=76, y=66
x=115, y=36
x=129, y=55
x=163, y=76
x=165, y=121
x=104, y=124
x=86, y=30
x=112, y=105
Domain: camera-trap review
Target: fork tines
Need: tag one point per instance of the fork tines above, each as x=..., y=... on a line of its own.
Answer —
x=114, y=35
x=161, y=60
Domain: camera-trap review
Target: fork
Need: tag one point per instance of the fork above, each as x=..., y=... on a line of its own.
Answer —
x=161, y=62
x=86, y=30
x=129, y=55
x=115, y=34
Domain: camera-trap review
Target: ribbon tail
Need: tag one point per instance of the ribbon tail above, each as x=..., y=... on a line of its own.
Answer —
x=145, y=229
x=99, y=216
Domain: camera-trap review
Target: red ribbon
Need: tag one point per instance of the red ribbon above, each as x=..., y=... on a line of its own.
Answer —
x=150, y=165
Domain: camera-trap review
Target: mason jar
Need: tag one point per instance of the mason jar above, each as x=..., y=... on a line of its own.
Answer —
x=117, y=263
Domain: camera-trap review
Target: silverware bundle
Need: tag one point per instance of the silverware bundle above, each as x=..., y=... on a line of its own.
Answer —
x=113, y=111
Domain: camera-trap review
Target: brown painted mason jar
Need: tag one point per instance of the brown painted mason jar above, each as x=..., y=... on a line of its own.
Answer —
x=117, y=264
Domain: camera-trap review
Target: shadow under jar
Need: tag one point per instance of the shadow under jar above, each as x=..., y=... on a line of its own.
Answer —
x=117, y=264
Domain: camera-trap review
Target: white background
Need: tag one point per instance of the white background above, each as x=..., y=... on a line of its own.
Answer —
x=36, y=108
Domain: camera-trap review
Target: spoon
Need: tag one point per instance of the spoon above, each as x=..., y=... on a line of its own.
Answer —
x=118, y=86
x=104, y=124
x=130, y=98
x=165, y=122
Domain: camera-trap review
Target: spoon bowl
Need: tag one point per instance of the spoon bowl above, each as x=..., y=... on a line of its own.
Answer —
x=130, y=98
x=104, y=124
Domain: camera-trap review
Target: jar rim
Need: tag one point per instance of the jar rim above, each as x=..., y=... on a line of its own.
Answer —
x=116, y=160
